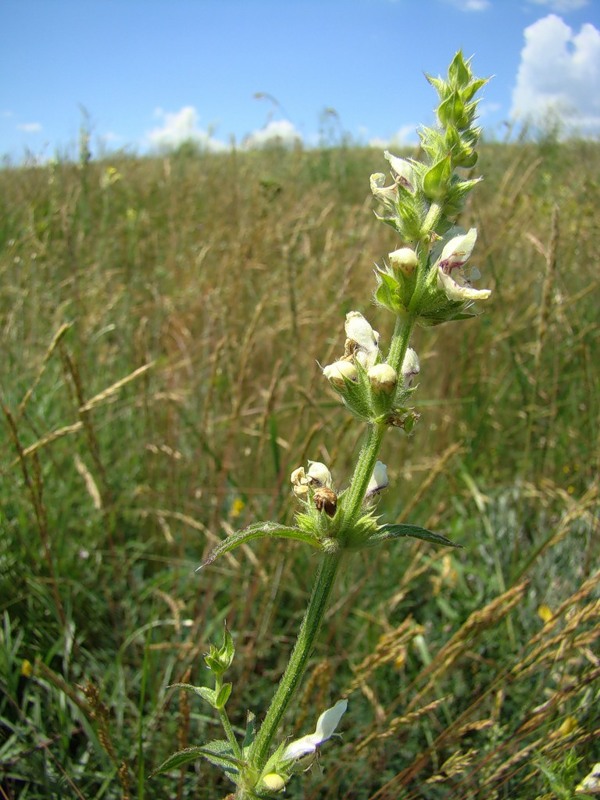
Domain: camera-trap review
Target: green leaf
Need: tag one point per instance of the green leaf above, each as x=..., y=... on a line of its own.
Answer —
x=250, y=731
x=215, y=752
x=223, y=695
x=387, y=532
x=439, y=85
x=459, y=73
x=202, y=691
x=258, y=531
x=437, y=179
x=218, y=753
x=451, y=111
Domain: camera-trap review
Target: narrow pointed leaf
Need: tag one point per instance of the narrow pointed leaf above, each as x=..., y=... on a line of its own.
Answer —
x=218, y=752
x=258, y=531
x=182, y=757
x=202, y=691
x=250, y=731
x=388, y=532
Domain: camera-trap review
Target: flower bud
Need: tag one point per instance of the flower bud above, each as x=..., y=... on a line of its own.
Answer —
x=325, y=500
x=340, y=372
x=273, y=782
x=405, y=260
x=383, y=378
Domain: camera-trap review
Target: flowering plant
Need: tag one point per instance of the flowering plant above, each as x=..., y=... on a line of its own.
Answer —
x=426, y=283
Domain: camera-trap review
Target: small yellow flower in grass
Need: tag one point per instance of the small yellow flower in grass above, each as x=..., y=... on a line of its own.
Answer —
x=568, y=726
x=545, y=613
x=109, y=177
x=26, y=668
x=237, y=507
x=326, y=725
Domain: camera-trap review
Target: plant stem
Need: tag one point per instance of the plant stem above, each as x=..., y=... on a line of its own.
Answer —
x=368, y=455
x=297, y=664
x=433, y=217
x=229, y=732
x=400, y=340
x=326, y=574
x=362, y=473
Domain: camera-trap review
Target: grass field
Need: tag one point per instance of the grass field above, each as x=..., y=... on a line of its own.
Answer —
x=161, y=323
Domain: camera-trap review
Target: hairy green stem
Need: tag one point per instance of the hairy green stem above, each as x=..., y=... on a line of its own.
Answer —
x=362, y=473
x=326, y=574
x=434, y=215
x=298, y=662
x=223, y=716
x=400, y=340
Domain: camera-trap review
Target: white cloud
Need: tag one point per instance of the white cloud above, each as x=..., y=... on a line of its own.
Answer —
x=280, y=132
x=561, y=6
x=559, y=77
x=182, y=126
x=406, y=136
x=29, y=127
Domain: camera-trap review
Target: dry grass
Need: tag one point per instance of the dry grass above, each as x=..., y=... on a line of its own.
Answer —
x=160, y=337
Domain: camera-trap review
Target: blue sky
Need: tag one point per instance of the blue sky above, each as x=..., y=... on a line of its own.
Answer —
x=150, y=73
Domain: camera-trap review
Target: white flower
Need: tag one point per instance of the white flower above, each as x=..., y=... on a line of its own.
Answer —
x=403, y=170
x=326, y=725
x=379, y=480
x=299, y=483
x=410, y=366
x=340, y=372
x=387, y=195
x=451, y=277
x=364, y=340
x=318, y=474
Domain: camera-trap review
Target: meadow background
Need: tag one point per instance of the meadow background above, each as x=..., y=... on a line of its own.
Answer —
x=161, y=323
